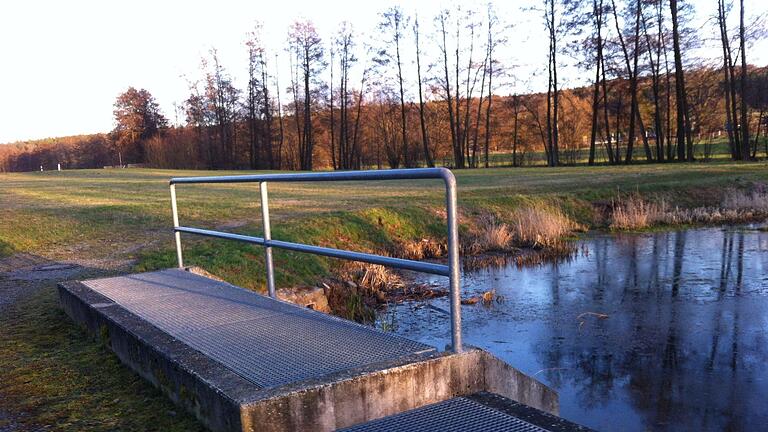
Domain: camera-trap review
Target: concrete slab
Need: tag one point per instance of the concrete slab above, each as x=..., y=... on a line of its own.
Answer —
x=479, y=412
x=242, y=361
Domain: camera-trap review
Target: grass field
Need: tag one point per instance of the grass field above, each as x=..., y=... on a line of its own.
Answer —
x=119, y=220
x=97, y=213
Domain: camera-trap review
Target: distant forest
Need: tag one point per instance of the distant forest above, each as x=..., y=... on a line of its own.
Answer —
x=427, y=92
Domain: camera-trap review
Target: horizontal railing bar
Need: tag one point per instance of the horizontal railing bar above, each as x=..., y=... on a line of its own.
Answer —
x=219, y=234
x=424, y=267
x=395, y=174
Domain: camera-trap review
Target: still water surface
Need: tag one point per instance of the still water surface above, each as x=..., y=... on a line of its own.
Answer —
x=659, y=331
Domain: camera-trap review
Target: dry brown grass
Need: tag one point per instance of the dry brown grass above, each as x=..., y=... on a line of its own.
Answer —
x=418, y=250
x=755, y=200
x=494, y=235
x=369, y=277
x=635, y=213
x=737, y=207
x=528, y=227
x=540, y=227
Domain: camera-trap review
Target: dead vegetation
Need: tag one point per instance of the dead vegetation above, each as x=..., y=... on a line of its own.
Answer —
x=538, y=228
x=426, y=248
x=487, y=298
x=541, y=227
x=738, y=206
x=358, y=290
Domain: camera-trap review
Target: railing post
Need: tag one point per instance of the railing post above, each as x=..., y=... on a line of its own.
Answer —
x=267, y=237
x=177, y=234
x=453, y=259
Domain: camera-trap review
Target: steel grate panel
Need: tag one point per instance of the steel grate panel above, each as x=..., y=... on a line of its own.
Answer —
x=454, y=415
x=294, y=347
x=197, y=312
x=266, y=341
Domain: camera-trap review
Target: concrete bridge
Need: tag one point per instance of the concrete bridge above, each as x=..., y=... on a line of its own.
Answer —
x=241, y=361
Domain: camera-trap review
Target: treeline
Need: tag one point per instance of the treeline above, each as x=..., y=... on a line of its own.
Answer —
x=427, y=92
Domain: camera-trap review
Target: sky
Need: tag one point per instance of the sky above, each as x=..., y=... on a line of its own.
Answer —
x=62, y=63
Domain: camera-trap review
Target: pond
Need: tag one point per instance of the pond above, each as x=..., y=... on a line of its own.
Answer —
x=653, y=331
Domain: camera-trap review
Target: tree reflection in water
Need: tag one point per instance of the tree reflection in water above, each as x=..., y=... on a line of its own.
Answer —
x=683, y=346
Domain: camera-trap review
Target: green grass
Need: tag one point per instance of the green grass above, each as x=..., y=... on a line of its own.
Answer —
x=125, y=214
x=51, y=370
x=58, y=376
x=716, y=150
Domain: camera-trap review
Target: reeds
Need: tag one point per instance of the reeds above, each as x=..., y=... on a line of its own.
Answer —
x=539, y=227
x=737, y=207
x=494, y=235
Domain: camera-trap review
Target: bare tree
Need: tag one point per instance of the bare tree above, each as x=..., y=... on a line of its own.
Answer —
x=684, y=139
x=393, y=22
x=223, y=99
x=281, y=137
x=632, y=72
x=493, y=20
x=597, y=22
x=308, y=49
x=458, y=153
x=259, y=104
x=422, y=120
x=334, y=161
x=345, y=46
x=728, y=81
x=655, y=65
x=744, y=118
x=551, y=20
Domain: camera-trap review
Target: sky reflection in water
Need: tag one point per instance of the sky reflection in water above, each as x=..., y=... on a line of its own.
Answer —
x=683, y=346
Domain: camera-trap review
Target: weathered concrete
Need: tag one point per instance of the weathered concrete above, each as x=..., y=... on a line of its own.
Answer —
x=482, y=411
x=359, y=396
x=226, y=401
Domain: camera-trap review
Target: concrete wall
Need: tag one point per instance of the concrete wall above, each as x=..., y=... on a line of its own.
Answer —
x=347, y=401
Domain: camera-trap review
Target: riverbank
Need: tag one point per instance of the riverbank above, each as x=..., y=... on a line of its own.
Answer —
x=510, y=227
x=117, y=221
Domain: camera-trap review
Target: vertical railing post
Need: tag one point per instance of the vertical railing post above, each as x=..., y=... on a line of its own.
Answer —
x=267, y=237
x=177, y=234
x=453, y=260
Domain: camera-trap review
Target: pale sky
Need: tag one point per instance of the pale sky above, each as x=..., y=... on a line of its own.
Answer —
x=62, y=63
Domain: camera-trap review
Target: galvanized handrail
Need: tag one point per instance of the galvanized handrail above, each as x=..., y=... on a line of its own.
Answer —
x=451, y=270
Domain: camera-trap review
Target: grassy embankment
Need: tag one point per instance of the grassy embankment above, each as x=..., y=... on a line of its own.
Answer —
x=118, y=220
x=124, y=215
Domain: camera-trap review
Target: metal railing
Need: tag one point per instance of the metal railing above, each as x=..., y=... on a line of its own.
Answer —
x=451, y=270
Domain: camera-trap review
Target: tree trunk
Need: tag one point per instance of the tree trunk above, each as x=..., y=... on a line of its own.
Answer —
x=423, y=123
x=609, y=147
x=490, y=90
x=598, y=11
x=683, y=125
x=406, y=153
x=458, y=155
x=744, y=117
x=730, y=123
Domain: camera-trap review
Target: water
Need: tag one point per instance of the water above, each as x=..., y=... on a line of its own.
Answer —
x=660, y=331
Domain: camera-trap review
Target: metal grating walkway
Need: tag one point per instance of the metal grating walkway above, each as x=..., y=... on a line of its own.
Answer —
x=268, y=342
x=454, y=415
